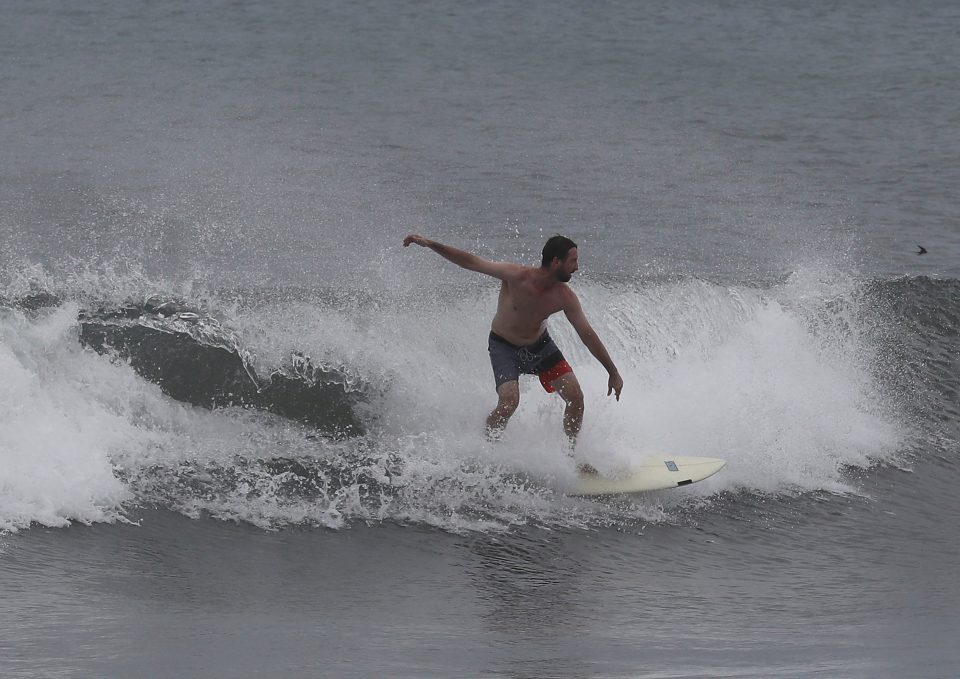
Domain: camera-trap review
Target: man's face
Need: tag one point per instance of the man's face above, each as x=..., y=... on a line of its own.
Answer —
x=567, y=266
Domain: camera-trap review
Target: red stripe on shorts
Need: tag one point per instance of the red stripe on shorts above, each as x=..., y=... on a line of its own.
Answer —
x=548, y=376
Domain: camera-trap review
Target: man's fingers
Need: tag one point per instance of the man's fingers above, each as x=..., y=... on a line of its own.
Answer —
x=614, y=387
x=416, y=238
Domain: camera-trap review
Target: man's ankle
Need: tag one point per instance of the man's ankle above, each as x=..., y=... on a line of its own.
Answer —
x=587, y=469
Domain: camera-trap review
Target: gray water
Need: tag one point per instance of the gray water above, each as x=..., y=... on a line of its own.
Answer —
x=698, y=138
x=748, y=183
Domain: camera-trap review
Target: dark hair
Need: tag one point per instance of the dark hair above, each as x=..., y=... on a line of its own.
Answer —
x=557, y=246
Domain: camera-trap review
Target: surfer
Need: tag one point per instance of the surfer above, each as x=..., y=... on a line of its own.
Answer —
x=519, y=341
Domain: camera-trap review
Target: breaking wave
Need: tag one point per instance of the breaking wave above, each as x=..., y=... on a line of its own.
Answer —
x=284, y=408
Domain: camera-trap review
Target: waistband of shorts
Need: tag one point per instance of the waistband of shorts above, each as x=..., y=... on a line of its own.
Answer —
x=536, y=346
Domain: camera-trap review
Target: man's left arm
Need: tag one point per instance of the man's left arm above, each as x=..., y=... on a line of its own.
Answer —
x=574, y=314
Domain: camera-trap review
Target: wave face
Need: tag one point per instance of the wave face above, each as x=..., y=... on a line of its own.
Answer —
x=194, y=359
x=284, y=408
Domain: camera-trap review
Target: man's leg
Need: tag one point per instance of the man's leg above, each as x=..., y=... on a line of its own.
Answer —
x=569, y=389
x=508, y=398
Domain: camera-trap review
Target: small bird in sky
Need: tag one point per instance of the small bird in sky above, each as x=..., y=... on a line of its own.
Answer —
x=922, y=250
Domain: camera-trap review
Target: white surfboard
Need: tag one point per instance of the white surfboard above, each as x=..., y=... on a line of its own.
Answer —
x=654, y=473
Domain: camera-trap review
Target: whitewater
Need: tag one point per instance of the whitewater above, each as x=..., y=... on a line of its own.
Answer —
x=779, y=380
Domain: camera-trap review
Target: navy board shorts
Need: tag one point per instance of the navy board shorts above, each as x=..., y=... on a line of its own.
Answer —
x=541, y=358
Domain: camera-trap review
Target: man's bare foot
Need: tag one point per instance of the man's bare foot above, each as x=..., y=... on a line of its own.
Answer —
x=587, y=469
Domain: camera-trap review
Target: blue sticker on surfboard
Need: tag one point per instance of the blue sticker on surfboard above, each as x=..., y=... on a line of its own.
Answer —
x=671, y=465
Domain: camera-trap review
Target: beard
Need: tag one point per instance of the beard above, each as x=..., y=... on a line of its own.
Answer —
x=563, y=276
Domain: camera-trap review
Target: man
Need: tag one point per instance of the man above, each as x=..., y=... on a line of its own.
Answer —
x=518, y=336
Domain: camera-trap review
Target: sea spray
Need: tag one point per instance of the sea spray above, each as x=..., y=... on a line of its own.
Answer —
x=779, y=380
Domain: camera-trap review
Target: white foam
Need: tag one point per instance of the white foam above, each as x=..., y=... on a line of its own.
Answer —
x=770, y=380
x=55, y=437
x=777, y=381
x=74, y=424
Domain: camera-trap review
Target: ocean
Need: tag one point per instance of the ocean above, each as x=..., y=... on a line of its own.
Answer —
x=241, y=427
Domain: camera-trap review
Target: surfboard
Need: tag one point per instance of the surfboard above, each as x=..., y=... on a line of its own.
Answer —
x=653, y=473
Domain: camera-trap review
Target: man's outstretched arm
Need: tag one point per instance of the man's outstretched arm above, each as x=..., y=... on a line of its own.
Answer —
x=462, y=258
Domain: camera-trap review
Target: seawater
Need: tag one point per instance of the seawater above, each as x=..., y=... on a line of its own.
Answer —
x=748, y=185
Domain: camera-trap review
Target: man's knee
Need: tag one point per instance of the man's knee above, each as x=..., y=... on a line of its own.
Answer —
x=508, y=398
x=569, y=389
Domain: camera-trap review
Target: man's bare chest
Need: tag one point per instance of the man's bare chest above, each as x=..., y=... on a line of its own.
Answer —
x=527, y=300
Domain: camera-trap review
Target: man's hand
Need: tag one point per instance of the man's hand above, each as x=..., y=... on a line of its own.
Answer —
x=418, y=239
x=615, y=384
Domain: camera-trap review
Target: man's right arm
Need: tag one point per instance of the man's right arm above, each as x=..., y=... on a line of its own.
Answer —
x=464, y=259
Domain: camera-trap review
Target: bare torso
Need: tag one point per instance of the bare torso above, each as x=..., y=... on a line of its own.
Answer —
x=526, y=301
